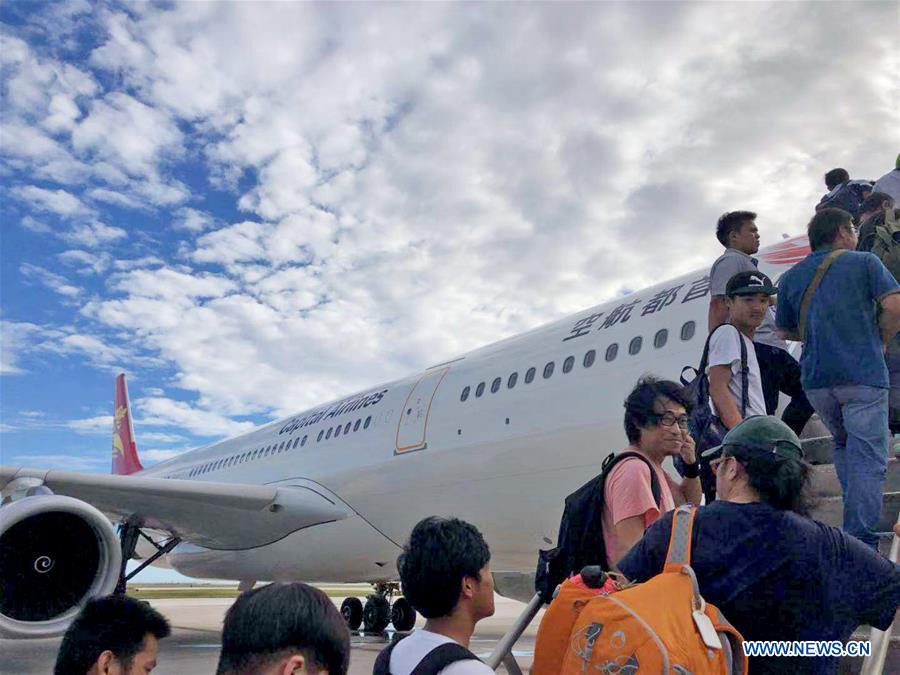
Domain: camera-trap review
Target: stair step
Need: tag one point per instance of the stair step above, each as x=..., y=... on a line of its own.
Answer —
x=824, y=481
x=818, y=449
x=830, y=510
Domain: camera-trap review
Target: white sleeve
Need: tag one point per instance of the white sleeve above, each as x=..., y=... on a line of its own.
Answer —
x=725, y=348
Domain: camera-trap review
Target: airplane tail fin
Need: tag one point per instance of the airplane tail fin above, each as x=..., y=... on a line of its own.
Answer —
x=124, y=450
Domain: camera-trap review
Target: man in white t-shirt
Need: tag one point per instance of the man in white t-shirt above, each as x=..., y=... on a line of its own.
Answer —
x=747, y=297
x=445, y=575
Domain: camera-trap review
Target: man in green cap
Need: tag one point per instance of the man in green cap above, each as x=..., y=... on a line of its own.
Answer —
x=775, y=573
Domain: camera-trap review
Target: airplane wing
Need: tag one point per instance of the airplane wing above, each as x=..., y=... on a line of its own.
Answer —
x=222, y=516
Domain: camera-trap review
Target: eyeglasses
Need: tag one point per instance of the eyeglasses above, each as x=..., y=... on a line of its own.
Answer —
x=669, y=418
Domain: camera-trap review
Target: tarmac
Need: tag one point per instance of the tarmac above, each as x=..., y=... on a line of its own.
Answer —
x=194, y=644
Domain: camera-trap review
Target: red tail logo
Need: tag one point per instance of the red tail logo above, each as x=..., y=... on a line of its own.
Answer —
x=124, y=451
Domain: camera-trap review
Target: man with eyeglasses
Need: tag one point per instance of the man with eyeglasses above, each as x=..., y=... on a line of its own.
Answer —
x=845, y=322
x=775, y=573
x=656, y=424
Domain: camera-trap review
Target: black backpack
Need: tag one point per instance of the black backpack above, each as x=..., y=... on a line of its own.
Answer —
x=706, y=428
x=580, y=539
x=434, y=662
x=847, y=196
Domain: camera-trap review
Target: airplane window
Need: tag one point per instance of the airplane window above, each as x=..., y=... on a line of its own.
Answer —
x=328, y=433
x=296, y=442
x=659, y=340
x=568, y=364
x=479, y=390
x=356, y=426
x=347, y=428
x=612, y=351
x=465, y=393
x=687, y=330
x=495, y=385
x=589, y=358
x=303, y=442
x=337, y=431
x=281, y=447
x=511, y=382
x=319, y=438
x=529, y=375
x=635, y=345
x=548, y=370
x=368, y=422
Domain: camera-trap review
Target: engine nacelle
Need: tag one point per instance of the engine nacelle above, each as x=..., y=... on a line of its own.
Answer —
x=55, y=554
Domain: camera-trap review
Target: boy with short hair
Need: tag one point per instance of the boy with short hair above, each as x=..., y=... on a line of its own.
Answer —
x=446, y=576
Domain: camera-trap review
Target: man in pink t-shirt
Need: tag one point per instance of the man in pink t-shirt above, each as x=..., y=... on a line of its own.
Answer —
x=656, y=427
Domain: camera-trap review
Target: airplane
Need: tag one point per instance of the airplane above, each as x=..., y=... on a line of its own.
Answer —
x=497, y=436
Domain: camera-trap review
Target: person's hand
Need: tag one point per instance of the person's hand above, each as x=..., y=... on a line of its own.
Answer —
x=688, y=447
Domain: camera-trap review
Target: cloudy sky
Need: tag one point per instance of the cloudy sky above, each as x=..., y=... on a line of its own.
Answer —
x=251, y=208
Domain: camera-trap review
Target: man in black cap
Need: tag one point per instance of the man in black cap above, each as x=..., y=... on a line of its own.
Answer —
x=775, y=573
x=735, y=383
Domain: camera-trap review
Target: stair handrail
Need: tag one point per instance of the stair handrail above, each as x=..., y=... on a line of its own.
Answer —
x=503, y=651
x=880, y=640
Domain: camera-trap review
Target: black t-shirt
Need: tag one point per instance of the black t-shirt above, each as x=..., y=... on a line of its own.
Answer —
x=778, y=576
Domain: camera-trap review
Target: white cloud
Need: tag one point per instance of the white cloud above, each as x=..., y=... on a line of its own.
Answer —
x=115, y=198
x=149, y=457
x=158, y=437
x=93, y=234
x=59, y=202
x=142, y=134
x=159, y=411
x=88, y=263
x=98, y=425
x=68, y=462
x=16, y=340
x=55, y=282
x=193, y=220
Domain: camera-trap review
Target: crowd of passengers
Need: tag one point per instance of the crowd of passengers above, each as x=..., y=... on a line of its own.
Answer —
x=774, y=572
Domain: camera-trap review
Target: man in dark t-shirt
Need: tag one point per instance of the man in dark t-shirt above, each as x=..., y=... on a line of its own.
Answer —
x=776, y=575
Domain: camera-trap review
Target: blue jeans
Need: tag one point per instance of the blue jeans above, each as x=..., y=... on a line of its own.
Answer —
x=857, y=417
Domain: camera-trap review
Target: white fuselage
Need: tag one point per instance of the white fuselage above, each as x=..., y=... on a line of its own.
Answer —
x=503, y=460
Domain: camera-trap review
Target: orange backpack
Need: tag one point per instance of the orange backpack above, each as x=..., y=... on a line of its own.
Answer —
x=661, y=626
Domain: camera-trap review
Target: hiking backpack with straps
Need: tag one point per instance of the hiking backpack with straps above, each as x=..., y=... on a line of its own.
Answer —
x=704, y=426
x=434, y=661
x=660, y=626
x=887, y=242
x=580, y=539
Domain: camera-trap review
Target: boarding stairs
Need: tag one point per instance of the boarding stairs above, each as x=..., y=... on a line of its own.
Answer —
x=826, y=491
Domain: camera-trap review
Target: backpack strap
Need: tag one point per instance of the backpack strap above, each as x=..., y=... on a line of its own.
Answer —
x=612, y=459
x=745, y=376
x=679, y=552
x=814, y=284
x=441, y=657
x=383, y=660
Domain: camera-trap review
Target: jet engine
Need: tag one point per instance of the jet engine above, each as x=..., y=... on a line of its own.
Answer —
x=56, y=553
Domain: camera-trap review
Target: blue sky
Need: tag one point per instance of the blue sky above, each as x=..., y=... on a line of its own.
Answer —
x=252, y=208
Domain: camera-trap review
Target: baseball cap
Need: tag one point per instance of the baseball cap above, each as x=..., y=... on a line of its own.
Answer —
x=762, y=433
x=749, y=283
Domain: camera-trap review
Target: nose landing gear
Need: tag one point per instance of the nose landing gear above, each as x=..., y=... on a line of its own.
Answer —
x=377, y=613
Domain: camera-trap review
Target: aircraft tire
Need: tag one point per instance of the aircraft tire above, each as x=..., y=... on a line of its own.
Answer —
x=376, y=614
x=403, y=616
x=352, y=611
